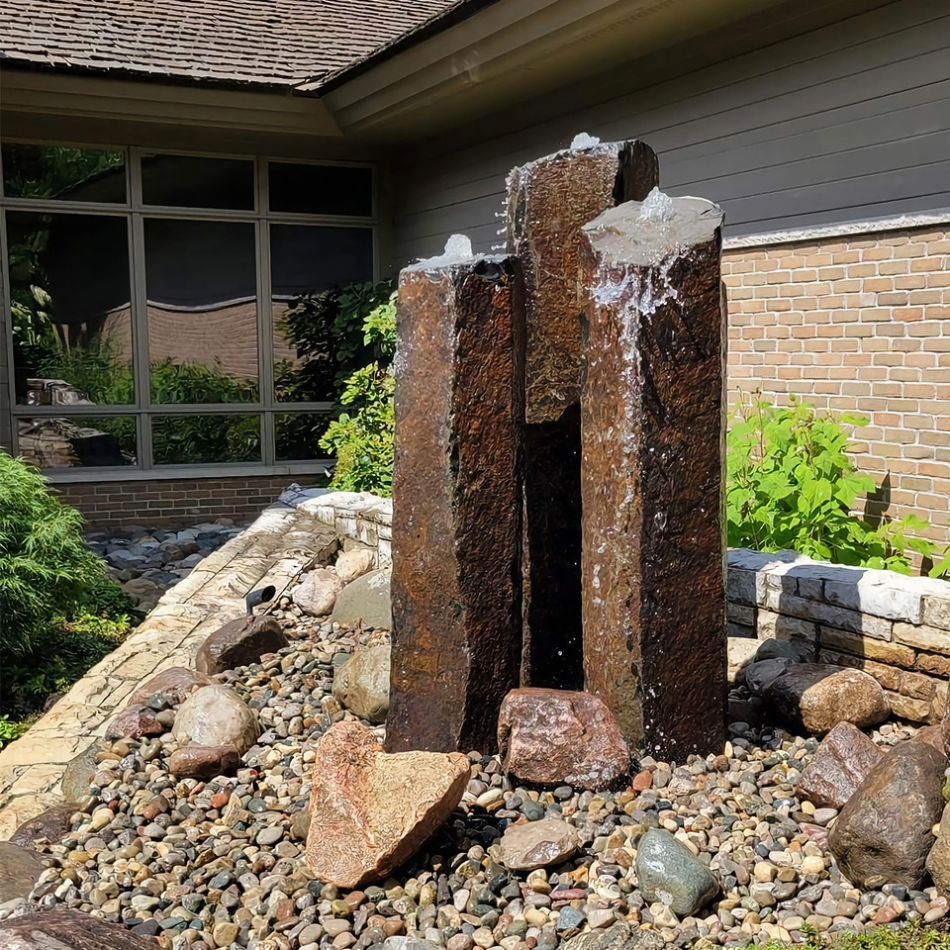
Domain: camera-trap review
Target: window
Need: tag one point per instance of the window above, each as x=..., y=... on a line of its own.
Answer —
x=145, y=301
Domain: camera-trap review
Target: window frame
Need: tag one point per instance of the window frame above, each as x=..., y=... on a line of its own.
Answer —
x=136, y=212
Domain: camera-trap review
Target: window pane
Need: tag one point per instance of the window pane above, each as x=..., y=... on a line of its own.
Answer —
x=72, y=328
x=191, y=182
x=201, y=282
x=320, y=189
x=77, y=442
x=298, y=435
x=190, y=439
x=304, y=262
x=63, y=172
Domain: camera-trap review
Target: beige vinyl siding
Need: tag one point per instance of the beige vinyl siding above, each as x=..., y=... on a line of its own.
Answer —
x=834, y=123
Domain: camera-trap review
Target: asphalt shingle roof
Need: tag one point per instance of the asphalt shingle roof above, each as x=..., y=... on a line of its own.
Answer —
x=272, y=42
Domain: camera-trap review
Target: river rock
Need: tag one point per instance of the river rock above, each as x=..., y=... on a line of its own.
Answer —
x=353, y=563
x=362, y=683
x=317, y=592
x=668, y=872
x=938, y=861
x=760, y=675
x=840, y=764
x=170, y=687
x=19, y=868
x=883, y=834
x=61, y=929
x=52, y=824
x=239, y=643
x=134, y=722
x=620, y=936
x=203, y=761
x=369, y=811
x=818, y=696
x=536, y=844
x=216, y=716
x=561, y=737
x=367, y=601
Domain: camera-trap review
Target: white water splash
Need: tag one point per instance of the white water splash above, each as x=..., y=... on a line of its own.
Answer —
x=458, y=248
x=583, y=140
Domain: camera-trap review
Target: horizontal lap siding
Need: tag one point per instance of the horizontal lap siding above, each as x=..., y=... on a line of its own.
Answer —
x=842, y=123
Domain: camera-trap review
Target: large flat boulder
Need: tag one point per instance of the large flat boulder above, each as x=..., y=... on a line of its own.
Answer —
x=366, y=600
x=370, y=811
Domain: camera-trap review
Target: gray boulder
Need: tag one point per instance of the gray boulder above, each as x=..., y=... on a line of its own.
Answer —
x=362, y=683
x=669, y=873
x=216, y=716
x=366, y=600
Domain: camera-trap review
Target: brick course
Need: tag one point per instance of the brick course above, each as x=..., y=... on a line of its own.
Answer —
x=175, y=502
x=856, y=324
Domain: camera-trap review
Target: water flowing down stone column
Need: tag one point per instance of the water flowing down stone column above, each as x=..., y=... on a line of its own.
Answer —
x=456, y=585
x=549, y=201
x=652, y=473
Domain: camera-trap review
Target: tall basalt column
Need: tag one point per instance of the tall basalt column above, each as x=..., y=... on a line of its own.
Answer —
x=652, y=473
x=549, y=201
x=456, y=584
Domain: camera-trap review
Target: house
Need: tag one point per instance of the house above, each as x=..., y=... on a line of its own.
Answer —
x=176, y=173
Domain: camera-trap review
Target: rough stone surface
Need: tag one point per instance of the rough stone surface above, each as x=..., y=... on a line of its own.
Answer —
x=134, y=722
x=840, y=764
x=171, y=686
x=741, y=651
x=817, y=696
x=549, y=201
x=652, y=473
x=203, y=761
x=353, y=563
x=80, y=770
x=362, y=684
x=883, y=834
x=366, y=601
x=668, y=872
x=621, y=936
x=559, y=737
x=762, y=673
x=369, y=811
x=938, y=861
x=456, y=585
x=52, y=824
x=536, y=844
x=62, y=929
x=216, y=716
x=238, y=643
x=18, y=869
x=317, y=592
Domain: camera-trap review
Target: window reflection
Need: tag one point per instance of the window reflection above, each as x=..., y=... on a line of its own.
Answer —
x=298, y=435
x=306, y=262
x=320, y=189
x=63, y=172
x=77, y=442
x=70, y=313
x=192, y=439
x=201, y=283
x=186, y=181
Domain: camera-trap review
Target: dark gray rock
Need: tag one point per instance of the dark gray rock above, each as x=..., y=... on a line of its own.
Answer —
x=669, y=873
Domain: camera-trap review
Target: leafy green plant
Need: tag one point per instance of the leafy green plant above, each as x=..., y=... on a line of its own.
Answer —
x=363, y=438
x=793, y=486
x=911, y=936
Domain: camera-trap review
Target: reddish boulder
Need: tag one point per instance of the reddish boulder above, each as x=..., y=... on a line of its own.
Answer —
x=369, y=811
x=52, y=824
x=172, y=686
x=558, y=737
x=239, y=643
x=203, y=761
x=817, y=696
x=840, y=764
x=932, y=735
x=883, y=834
x=134, y=722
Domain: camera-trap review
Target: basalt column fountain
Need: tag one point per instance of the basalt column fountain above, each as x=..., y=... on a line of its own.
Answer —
x=456, y=583
x=549, y=201
x=652, y=473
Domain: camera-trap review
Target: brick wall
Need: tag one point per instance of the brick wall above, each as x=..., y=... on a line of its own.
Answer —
x=858, y=324
x=173, y=502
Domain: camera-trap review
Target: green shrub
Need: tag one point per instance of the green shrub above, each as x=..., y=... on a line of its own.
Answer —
x=910, y=936
x=363, y=438
x=793, y=486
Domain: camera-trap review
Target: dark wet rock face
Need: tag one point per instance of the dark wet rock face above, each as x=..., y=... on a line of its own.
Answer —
x=238, y=643
x=840, y=764
x=883, y=834
x=652, y=477
x=456, y=585
x=62, y=929
x=560, y=737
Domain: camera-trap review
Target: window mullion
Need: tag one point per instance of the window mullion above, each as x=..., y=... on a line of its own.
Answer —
x=140, y=336
x=265, y=320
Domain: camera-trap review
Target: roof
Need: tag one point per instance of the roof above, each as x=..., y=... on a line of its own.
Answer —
x=260, y=42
